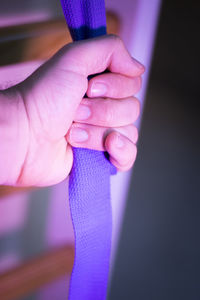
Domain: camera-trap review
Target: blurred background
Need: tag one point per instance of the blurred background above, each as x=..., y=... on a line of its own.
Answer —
x=156, y=208
x=159, y=251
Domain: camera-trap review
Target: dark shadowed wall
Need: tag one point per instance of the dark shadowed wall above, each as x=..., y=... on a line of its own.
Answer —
x=159, y=252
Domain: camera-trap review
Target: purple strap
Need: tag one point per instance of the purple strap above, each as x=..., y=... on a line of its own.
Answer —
x=89, y=182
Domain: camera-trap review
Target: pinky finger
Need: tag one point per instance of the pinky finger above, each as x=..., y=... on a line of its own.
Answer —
x=121, y=150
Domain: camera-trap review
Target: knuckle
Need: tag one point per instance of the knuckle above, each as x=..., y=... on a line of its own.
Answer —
x=137, y=85
x=134, y=155
x=126, y=168
x=136, y=109
x=134, y=133
x=130, y=158
x=140, y=81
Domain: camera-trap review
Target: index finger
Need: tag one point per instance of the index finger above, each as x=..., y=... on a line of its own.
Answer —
x=95, y=55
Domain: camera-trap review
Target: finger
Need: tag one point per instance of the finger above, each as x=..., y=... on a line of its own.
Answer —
x=121, y=150
x=95, y=55
x=93, y=137
x=108, y=112
x=113, y=85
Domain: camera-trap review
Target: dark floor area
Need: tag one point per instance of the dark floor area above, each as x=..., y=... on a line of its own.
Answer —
x=159, y=251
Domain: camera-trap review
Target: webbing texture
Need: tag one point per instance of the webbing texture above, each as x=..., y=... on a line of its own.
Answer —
x=89, y=181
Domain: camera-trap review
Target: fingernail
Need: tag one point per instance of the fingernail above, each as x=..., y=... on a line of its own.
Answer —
x=78, y=135
x=138, y=64
x=98, y=89
x=83, y=112
x=119, y=141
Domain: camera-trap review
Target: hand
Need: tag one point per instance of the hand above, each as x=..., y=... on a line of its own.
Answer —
x=54, y=115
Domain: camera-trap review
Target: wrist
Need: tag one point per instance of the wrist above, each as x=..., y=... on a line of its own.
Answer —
x=14, y=132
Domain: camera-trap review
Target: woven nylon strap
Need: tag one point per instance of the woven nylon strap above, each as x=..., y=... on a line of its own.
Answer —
x=89, y=182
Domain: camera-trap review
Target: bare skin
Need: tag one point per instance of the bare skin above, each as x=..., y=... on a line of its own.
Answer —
x=45, y=115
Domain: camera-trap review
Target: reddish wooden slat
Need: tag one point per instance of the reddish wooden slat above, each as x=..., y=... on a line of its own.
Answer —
x=28, y=277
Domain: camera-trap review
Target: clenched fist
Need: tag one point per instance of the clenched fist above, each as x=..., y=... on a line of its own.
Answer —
x=45, y=115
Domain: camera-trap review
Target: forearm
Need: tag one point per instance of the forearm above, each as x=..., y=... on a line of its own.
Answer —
x=13, y=135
